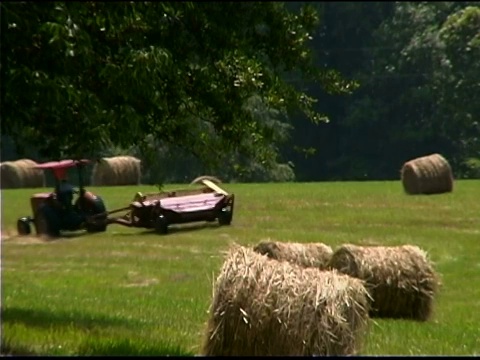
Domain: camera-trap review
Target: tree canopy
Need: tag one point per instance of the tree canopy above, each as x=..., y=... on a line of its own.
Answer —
x=243, y=86
x=418, y=70
x=205, y=76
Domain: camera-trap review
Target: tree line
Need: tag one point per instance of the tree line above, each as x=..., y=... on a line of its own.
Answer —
x=257, y=91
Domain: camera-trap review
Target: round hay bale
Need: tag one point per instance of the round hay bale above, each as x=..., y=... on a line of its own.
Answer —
x=400, y=279
x=116, y=171
x=198, y=180
x=262, y=307
x=21, y=174
x=430, y=174
x=307, y=255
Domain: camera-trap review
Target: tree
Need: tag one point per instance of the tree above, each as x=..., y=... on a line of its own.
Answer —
x=458, y=85
x=408, y=104
x=343, y=41
x=80, y=76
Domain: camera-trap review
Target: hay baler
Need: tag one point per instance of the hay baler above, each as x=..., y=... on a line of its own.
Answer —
x=160, y=210
x=51, y=215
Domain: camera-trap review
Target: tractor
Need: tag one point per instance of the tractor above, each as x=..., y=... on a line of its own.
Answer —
x=56, y=211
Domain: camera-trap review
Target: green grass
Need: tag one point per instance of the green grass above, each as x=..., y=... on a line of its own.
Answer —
x=132, y=292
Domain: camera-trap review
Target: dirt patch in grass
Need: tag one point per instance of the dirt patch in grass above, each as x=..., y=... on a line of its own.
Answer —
x=123, y=254
x=137, y=280
x=12, y=236
x=142, y=283
x=6, y=234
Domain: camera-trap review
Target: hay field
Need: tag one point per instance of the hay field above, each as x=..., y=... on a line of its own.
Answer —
x=131, y=292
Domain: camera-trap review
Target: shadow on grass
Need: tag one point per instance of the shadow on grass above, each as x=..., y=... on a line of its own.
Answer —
x=93, y=345
x=126, y=347
x=47, y=319
x=175, y=228
x=83, y=322
x=65, y=236
x=72, y=235
x=9, y=349
x=97, y=346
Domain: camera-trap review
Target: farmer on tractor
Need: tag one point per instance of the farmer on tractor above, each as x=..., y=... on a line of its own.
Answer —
x=57, y=211
x=62, y=215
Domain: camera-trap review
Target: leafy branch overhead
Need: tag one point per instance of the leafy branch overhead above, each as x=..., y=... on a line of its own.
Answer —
x=81, y=75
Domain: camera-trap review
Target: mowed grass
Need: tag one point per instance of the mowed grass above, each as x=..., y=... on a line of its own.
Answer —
x=132, y=292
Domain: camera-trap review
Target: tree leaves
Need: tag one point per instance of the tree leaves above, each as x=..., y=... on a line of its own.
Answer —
x=180, y=72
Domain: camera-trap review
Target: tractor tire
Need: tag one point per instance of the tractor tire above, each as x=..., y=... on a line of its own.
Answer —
x=94, y=228
x=46, y=222
x=97, y=207
x=23, y=226
x=161, y=225
x=225, y=217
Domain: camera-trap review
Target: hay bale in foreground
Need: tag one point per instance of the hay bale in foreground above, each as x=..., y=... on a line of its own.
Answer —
x=21, y=174
x=430, y=174
x=307, y=255
x=262, y=307
x=198, y=180
x=400, y=279
x=116, y=171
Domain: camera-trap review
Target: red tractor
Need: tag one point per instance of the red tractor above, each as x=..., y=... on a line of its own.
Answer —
x=56, y=211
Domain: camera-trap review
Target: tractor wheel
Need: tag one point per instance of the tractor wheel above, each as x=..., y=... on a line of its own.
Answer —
x=23, y=226
x=102, y=225
x=97, y=206
x=225, y=217
x=46, y=223
x=93, y=228
x=161, y=225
